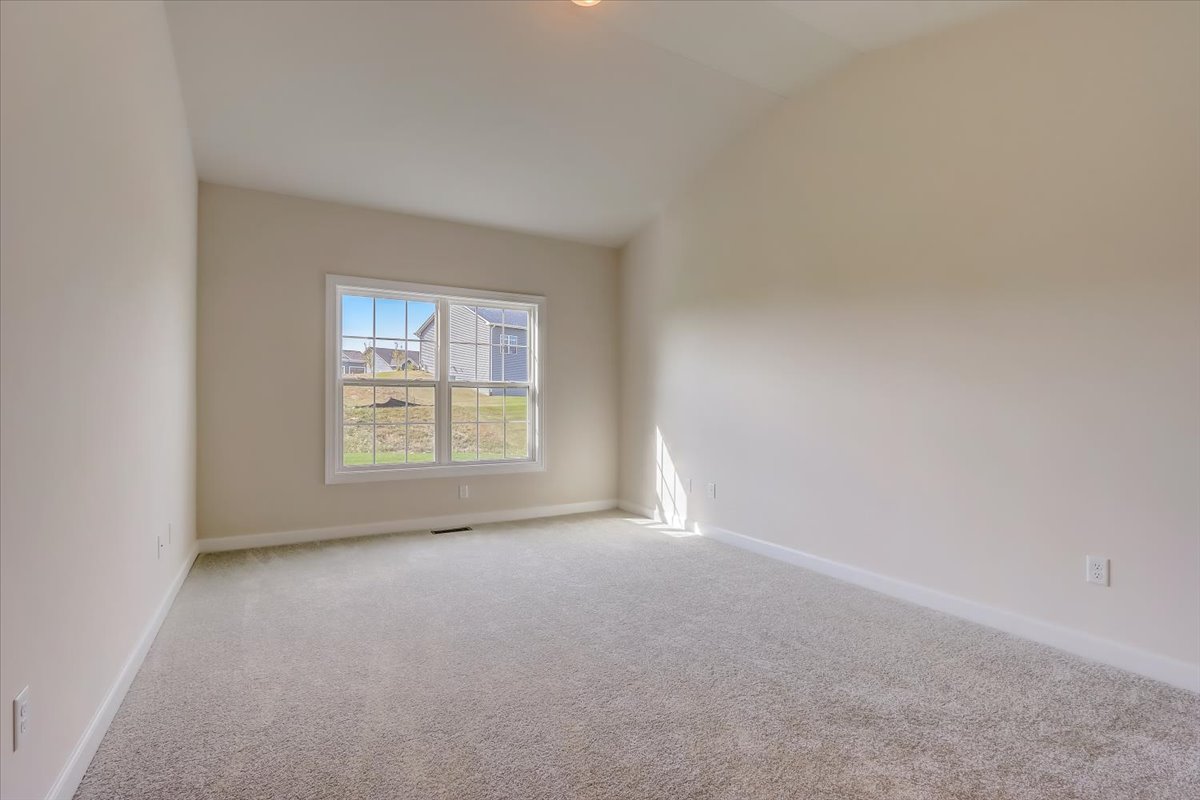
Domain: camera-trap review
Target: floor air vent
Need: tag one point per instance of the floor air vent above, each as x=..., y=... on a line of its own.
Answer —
x=452, y=530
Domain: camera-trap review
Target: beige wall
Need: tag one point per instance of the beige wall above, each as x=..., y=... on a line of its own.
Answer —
x=97, y=335
x=263, y=261
x=939, y=318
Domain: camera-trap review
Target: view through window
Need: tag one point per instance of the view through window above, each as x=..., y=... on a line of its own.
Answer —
x=427, y=379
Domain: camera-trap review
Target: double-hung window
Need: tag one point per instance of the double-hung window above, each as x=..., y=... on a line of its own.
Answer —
x=431, y=380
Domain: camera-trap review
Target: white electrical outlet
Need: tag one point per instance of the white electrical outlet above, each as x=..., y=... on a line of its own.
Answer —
x=464, y=491
x=1097, y=570
x=21, y=717
x=710, y=491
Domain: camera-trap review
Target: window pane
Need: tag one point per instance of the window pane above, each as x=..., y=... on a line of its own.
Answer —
x=389, y=319
x=516, y=405
x=421, y=319
x=389, y=444
x=464, y=441
x=391, y=403
x=390, y=342
x=491, y=405
x=491, y=441
x=410, y=363
x=515, y=319
x=385, y=356
x=354, y=358
x=357, y=405
x=490, y=322
x=464, y=324
x=356, y=445
x=426, y=358
x=485, y=364
x=422, y=335
x=356, y=316
x=420, y=443
x=516, y=440
x=422, y=403
x=392, y=359
x=464, y=404
x=514, y=364
x=462, y=362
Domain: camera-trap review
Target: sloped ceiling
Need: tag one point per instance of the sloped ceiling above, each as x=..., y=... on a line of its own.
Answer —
x=538, y=116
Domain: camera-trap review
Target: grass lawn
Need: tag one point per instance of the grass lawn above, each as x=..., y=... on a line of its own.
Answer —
x=478, y=420
x=363, y=459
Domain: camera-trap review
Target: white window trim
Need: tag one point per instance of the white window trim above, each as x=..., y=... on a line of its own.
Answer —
x=336, y=473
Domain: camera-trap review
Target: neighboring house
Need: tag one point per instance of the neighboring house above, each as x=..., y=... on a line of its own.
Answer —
x=389, y=360
x=381, y=360
x=353, y=362
x=504, y=336
x=406, y=359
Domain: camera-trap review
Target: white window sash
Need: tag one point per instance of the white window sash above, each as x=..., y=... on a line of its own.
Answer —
x=336, y=472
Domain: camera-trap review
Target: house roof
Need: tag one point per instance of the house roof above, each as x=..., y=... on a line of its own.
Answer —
x=398, y=356
x=492, y=316
x=390, y=355
x=425, y=326
x=512, y=319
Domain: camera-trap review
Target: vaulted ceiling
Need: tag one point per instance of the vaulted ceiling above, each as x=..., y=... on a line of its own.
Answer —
x=536, y=116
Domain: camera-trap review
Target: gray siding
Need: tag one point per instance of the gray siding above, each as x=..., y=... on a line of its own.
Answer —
x=380, y=363
x=466, y=328
x=511, y=366
x=486, y=361
x=428, y=356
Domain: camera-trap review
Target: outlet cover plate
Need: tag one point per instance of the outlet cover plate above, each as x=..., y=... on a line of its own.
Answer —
x=21, y=716
x=1097, y=570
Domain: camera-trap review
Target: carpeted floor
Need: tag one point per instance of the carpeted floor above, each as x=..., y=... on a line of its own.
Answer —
x=592, y=657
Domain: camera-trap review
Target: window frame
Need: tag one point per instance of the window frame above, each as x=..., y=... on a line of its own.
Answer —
x=442, y=296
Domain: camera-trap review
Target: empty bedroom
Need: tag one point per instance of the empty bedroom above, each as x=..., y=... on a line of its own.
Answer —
x=600, y=400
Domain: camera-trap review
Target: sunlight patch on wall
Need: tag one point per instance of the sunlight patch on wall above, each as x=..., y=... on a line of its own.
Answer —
x=672, y=499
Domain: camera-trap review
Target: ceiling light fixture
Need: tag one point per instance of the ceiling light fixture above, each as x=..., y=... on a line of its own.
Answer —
x=586, y=3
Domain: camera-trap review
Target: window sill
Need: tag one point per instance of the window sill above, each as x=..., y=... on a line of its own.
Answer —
x=432, y=471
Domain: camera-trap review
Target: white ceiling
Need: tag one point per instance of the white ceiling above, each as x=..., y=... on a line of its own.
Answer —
x=535, y=116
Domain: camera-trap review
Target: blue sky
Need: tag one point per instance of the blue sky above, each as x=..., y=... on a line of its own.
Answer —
x=389, y=320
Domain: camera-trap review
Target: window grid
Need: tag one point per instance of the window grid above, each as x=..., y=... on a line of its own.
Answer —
x=401, y=388
x=482, y=426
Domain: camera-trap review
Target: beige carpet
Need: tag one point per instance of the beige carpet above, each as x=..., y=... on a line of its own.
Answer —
x=590, y=657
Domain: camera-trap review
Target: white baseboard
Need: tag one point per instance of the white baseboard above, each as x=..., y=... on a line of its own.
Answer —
x=1123, y=656
x=641, y=511
x=1142, y=662
x=247, y=541
x=68, y=780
